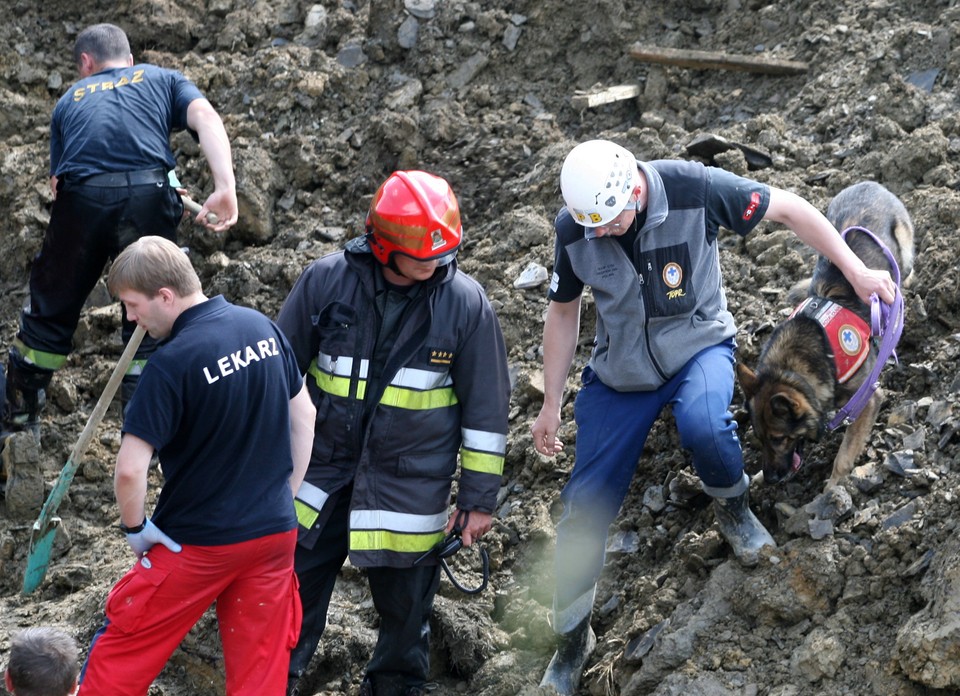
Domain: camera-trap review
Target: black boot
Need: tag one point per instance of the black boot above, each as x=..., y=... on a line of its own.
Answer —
x=741, y=528
x=25, y=396
x=24, y=408
x=573, y=650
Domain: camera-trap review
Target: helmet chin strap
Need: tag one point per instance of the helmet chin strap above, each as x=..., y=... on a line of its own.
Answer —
x=392, y=265
x=391, y=262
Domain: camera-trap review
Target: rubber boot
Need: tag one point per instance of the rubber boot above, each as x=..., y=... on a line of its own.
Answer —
x=24, y=407
x=25, y=398
x=573, y=650
x=741, y=528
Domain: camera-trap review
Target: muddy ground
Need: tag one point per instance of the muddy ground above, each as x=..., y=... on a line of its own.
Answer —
x=323, y=101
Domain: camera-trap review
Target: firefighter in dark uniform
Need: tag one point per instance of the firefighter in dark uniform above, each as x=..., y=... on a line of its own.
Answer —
x=407, y=366
x=109, y=162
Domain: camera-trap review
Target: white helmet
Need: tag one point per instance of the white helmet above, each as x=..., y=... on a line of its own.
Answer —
x=597, y=180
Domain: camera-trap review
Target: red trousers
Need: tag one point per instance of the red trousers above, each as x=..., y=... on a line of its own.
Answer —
x=151, y=609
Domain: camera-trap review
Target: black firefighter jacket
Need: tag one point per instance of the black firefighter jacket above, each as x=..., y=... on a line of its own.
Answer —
x=444, y=392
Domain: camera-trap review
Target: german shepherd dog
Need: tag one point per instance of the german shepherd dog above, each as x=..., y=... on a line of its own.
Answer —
x=797, y=382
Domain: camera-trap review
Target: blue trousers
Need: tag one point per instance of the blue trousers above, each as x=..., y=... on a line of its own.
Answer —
x=612, y=428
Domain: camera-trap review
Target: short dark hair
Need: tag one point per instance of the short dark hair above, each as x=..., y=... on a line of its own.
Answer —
x=43, y=662
x=102, y=41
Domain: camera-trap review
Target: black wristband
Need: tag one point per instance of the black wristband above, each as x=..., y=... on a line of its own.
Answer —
x=133, y=530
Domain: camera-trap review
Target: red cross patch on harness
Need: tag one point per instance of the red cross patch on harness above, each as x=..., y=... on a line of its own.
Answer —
x=848, y=334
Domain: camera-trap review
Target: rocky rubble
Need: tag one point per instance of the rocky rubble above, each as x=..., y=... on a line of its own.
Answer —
x=322, y=101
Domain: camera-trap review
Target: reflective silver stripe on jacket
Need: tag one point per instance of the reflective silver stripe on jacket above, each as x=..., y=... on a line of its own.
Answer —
x=341, y=366
x=406, y=377
x=484, y=441
x=312, y=496
x=397, y=521
x=421, y=380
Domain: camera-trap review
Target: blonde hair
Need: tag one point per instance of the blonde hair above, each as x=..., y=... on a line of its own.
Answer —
x=151, y=263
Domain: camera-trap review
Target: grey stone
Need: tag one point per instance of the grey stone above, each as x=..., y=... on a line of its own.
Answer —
x=424, y=9
x=531, y=276
x=511, y=36
x=408, y=32
x=927, y=644
x=351, y=56
x=820, y=656
x=405, y=96
x=468, y=70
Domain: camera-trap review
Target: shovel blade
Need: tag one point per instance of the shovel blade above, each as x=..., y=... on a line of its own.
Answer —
x=38, y=560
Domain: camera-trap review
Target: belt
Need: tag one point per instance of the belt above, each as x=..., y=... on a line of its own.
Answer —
x=118, y=179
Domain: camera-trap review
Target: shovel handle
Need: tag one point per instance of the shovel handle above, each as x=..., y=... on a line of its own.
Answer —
x=39, y=557
x=93, y=422
x=195, y=208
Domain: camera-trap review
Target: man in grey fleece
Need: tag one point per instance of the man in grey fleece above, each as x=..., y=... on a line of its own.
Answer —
x=643, y=236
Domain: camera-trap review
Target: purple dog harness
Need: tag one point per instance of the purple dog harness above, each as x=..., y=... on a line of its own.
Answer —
x=887, y=324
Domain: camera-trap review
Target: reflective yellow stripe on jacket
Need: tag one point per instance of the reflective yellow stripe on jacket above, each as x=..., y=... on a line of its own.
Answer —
x=483, y=451
x=410, y=389
x=308, y=503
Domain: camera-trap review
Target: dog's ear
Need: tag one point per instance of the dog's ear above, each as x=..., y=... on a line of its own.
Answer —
x=747, y=379
x=783, y=406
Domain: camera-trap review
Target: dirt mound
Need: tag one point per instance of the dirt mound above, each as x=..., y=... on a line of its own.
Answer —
x=323, y=101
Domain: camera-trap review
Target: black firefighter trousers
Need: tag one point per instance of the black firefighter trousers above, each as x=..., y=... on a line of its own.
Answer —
x=89, y=224
x=403, y=598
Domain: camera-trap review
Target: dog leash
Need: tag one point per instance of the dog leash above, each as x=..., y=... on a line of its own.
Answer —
x=886, y=322
x=449, y=546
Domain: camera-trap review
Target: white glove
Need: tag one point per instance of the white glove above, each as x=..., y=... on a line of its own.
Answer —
x=147, y=537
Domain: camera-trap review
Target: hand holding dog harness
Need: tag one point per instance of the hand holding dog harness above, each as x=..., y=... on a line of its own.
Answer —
x=887, y=323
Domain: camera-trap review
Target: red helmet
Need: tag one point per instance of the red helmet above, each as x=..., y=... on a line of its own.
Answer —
x=414, y=213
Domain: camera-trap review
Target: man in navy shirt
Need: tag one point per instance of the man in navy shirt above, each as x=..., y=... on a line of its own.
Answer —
x=223, y=403
x=643, y=236
x=109, y=162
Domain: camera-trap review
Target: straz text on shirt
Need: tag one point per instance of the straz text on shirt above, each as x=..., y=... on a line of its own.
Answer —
x=91, y=88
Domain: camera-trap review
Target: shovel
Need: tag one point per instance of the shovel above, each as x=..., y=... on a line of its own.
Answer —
x=195, y=208
x=45, y=528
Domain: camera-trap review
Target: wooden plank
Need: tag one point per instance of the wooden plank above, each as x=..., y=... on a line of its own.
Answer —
x=586, y=100
x=716, y=60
